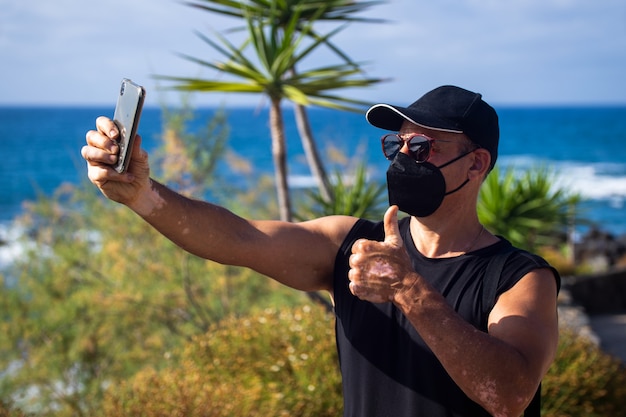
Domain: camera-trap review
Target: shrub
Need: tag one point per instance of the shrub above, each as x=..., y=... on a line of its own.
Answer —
x=275, y=363
x=529, y=209
x=358, y=197
x=583, y=381
x=7, y=410
x=98, y=294
x=97, y=300
x=284, y=363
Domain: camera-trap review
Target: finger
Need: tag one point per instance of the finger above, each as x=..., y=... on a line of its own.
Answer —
x=137, y=152
x=107, y=127
x=359, y=245
x=100, y=174
x=97, y=156
x=374, y=293
x=101, y=141
x=392, y=231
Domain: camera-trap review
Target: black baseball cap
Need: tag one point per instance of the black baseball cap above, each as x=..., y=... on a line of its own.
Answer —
x=449, y=109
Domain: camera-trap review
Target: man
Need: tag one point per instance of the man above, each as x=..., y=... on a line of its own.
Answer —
x=416, y=333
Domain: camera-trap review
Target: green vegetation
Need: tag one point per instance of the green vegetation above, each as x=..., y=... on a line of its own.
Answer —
x=583, y=381
x=274, y=363
x=188, y=161
x=527, y=209
x=216, y=380
x=99, y=295
x=353, y=197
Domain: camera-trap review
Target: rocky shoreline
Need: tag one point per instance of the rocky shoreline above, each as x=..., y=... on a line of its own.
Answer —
x=573, y=317
x=601, y=293
x=601, y=250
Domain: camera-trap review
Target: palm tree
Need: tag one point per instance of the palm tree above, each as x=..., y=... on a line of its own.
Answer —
x=278, y=50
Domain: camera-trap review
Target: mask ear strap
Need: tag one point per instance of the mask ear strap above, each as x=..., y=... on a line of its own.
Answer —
x=455, y=159
x=458, y=188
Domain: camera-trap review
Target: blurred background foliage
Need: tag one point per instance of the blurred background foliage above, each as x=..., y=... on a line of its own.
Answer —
x=104, y=316
x=527, y=208
x=278, y=362
x=98, y=293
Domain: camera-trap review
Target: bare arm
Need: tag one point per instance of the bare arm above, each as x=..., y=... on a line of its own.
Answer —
x=299, y=255
x=499, y=370
x=502, y=369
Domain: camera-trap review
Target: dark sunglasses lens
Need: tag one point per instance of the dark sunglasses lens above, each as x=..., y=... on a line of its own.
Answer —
x=391, y=146
x=420, y=148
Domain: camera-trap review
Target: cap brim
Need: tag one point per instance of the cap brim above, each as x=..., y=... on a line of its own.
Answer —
x=388, y=117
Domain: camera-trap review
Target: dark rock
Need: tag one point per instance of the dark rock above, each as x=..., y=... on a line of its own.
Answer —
x=600, y=248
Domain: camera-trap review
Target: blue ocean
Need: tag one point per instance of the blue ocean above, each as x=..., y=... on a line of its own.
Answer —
x=586, y=147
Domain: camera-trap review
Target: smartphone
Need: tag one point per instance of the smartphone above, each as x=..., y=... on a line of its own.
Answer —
x=127, y=112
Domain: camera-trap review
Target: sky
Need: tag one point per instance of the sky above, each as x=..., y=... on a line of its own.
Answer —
x=514, y=52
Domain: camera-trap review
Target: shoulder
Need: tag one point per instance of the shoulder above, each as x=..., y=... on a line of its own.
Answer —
x=510, y=270
x=520, y=263
x=335, y=228
x=528, y=289
x=331, y=232
x=300, y=255
x=527, y=283
x=510, y=264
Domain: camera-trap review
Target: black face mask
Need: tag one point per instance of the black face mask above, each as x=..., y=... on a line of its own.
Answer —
x=418, y=189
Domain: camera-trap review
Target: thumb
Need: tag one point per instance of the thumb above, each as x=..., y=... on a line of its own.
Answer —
x=139, y=154
x=136, y=151
x=392, y=230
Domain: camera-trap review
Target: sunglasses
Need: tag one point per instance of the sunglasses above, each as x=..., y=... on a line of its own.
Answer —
x=419, y=146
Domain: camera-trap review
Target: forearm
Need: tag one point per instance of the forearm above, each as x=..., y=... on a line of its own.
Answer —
x=201, y=228
x=489, y=371
x=270, y=247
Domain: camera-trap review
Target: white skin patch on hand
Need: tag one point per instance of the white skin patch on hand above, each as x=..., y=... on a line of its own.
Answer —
x=381, y=268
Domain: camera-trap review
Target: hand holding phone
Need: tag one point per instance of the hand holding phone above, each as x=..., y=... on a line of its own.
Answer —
x=127, y=113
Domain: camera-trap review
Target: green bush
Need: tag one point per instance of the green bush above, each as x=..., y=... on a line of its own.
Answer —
x=284, y=363
x=99, y=294
x=8, y=410
x=528, y=208
x=359, y=197
x=583, y=381
x=274, y=363
x=102, y=296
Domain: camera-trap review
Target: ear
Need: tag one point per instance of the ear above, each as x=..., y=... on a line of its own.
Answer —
x=480, y=165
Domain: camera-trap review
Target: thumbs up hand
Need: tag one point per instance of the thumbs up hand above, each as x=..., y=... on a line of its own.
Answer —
x=381, y=270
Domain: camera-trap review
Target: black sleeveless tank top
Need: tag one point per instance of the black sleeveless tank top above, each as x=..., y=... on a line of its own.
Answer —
x=386, y=367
